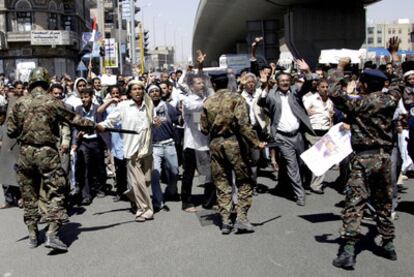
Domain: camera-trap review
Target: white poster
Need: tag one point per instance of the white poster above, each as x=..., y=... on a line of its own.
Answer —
x=331, y=149
x=111, y=53
x=23, y=69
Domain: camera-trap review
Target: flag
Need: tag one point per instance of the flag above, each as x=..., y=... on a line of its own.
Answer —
x=93, y=37
x=89, y=40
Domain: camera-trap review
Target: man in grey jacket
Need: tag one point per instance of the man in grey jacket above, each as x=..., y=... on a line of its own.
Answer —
x=288, y=123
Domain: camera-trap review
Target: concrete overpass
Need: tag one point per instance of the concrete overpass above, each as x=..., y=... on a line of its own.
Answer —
x=306, y=26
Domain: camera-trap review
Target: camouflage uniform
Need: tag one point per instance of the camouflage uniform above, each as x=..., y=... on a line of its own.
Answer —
x=225, y=117
x=370, y=117
x=34, y=121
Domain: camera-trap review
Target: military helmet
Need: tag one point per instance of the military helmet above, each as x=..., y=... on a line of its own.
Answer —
x=39, y=77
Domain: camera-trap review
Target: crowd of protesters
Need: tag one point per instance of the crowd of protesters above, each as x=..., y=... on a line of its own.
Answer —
x=290, y=108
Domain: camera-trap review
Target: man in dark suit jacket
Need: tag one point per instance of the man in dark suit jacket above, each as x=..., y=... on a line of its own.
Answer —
x=90, y=162
x=288, y=121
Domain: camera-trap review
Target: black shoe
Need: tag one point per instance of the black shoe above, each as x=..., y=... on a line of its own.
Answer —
x=300, y=202
x=401, y=188
x=55, y=243
x=100, y=194
x=162, y=208
x=86, y=202
x=344, y=260
x=226, y=229
x=243, y=227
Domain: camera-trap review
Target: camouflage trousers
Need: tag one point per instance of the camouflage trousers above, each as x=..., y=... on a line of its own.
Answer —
x=40, y=175
x=370, y=180
x=225, y=158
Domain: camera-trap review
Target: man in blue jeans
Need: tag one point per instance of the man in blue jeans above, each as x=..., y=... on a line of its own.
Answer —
x=164, y=152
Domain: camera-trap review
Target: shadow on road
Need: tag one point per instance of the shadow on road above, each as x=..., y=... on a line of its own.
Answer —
x=112, y=211
x=406, y=207
x=70, y=232
x=318, y=218
x=266, y=221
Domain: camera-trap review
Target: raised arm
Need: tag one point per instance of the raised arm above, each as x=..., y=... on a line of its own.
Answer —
x=254, y=66
x=200, y=60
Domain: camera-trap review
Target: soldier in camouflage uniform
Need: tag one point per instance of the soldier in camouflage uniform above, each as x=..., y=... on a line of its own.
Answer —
x=34, y=121
x=370, y=117
x=225, y=118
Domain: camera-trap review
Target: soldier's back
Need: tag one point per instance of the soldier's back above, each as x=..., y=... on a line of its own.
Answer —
x=221, y=110
x=38, y=115
x=373, y=124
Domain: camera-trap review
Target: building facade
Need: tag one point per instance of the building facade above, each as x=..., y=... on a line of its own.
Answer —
x=111, y=25
x=160, y=58
x=377, y=35
x=41, y=33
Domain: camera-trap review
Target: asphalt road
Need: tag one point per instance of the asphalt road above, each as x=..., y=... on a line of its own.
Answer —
x=289, y=241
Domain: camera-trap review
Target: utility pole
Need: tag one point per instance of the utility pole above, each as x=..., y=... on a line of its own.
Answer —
x=101, y=28
x=121, y=66
x=141, y=47
x=133, y=47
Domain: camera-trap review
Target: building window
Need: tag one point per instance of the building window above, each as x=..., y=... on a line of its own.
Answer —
x=379, y=31
x=379, y=40
x=370, y=30
x=393, y=31
x=399, y=31
x=53, y=21
x=389, y=31
x=370, y=40
x=67, y=23
x=24, y=21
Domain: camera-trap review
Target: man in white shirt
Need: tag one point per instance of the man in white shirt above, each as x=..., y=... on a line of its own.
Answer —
x=196, y=145
x=321, y=112
x=136, y=114
x=257, y=118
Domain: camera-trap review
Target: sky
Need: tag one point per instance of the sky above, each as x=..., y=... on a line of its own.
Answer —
x=173, y=20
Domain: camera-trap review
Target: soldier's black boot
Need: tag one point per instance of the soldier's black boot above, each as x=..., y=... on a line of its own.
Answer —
x=226, y=229
x=52, y=240
x=388, y=250
x=345, y=257
x=243, y=226
x=33, y=236
x=55, y=243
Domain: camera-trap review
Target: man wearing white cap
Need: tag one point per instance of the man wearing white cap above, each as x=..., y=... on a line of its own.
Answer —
x=136, y=114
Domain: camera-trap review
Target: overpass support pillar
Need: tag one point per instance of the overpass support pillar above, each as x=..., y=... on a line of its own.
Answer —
x=309, y=29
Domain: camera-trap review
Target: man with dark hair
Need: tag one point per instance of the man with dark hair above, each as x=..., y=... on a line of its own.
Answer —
x=164, y=151
x=288, y=123
x=18, y=88
x=98, y=91
x=370, y=117
x=90, y=162
x=225, y=118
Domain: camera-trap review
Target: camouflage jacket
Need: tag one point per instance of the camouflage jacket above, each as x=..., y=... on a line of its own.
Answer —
x=35, y=118
x=370, y=115
x=224, y=114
